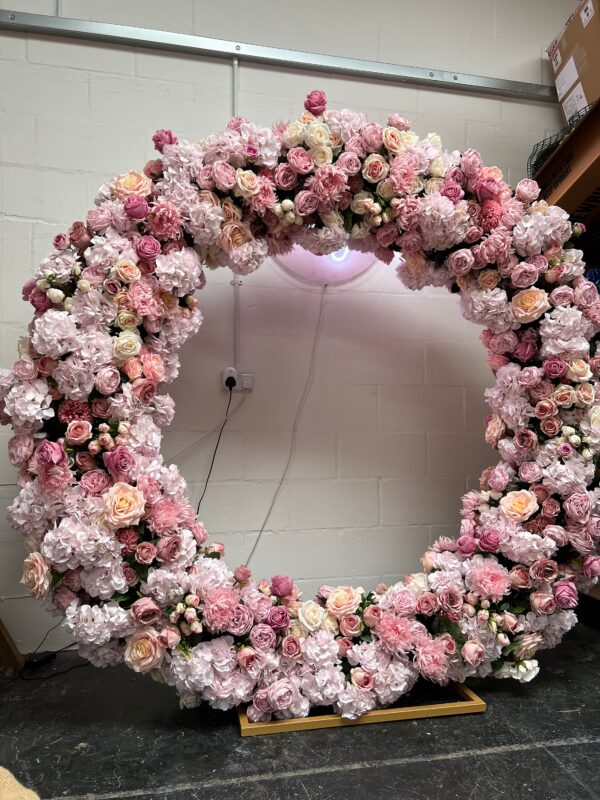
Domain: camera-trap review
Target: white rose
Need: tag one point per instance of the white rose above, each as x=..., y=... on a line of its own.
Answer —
x=126, y=345
x=321, y=155
x=317, y=135
x=294, y=134
x=311, y=615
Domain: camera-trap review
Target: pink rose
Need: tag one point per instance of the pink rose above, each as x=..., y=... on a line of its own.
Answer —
x=242, y=574
x=351, y=626
x=246, y=658
x=316, y=102
x=452, y=191
x=371, y=134
x=530, y=472
x=282, y=694
x=145, y=553
x=282, y=585
x=591, y=566
x=263, y=637
x=146, y=611
x=291, y=647
x=359, y=677
x=95, y=482
x=78, y=432
x=50, y=453
x=223, y=175
x=349, y=163
x=136, y=207
x=396, y=121
x=278, y=618
x=451, y=602
x=168, y=548
x=306, y=203
x=162, y=137
x=565, y=594
x=199, y=532
x=107, y=380
x=148, y=248
x=285, y=177
x=36, y=575
x=300, y=160
x=527, y=190
x=467, y=545
x=427, y=604
x=471, y=163
x=169, y=637
x=119, y=463
x=241, y=622
x=490, y=541
x=542, y=602
x=578, y=507
x=99, y=219
x=372, y=616
x=460, y=262
x=473, y=652
x=79, y=235
x=544, y=570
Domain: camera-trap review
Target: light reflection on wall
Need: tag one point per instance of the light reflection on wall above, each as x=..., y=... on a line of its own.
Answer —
x=335, y=268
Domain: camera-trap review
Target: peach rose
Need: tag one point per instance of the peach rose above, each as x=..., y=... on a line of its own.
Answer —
x=495, y=430
x=233, y=234
x=392, y=141
x=78, y=431
x=247, y=183
x=375, y=168
x=123, y=505
x=579, y=370
x=343, y=601
x=529, y=304
x=564, y=395
x=36, y=575
x=519, y=506
x=126, y=270
x=143, y=651
x=586, y=394
x=129, y=183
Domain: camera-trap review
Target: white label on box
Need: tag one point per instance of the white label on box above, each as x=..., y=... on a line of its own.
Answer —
x=566, y=78
x=586, y=13
x=556, y=60
x=574, y=102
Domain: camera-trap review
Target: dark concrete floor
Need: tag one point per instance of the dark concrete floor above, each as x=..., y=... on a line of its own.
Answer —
x=111, y=735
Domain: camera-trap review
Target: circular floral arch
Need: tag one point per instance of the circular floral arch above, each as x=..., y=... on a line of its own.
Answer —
x=115, y=546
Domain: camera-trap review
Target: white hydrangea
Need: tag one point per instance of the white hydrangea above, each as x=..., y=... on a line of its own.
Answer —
x=54, y=333
x=98, y=624
x=29, y=404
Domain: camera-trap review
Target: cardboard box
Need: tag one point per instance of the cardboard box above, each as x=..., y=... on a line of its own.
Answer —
x=575, y=58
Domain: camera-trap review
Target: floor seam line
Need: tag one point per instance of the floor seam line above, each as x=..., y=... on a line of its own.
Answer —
x=359, y=765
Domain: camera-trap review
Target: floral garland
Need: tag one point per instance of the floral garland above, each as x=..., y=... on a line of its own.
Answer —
x=115, y=546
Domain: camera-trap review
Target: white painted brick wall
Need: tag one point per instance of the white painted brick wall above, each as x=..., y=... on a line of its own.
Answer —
x=391, y=433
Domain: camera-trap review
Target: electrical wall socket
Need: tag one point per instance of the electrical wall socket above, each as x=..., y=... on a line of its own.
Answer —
x=230, y=372
x=244, y=381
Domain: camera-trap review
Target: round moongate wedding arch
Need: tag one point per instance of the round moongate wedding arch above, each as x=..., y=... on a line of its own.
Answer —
x=114, y=542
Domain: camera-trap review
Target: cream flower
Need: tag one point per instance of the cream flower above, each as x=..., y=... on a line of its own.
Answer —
x=317, y=135
x=124, y=505
x=311, y=615
x=126, y=345
x=131, y=183
x=143, y=651
x=519, y=506
x=36, y=575
x=343, y=601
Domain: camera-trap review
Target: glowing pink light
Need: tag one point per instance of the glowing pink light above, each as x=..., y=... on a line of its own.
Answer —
x=335, y=268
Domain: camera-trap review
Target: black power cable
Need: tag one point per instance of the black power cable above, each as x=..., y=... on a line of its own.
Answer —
x=230, y=383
